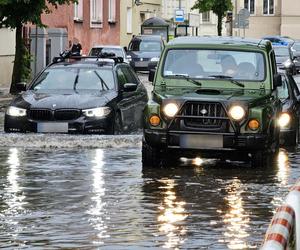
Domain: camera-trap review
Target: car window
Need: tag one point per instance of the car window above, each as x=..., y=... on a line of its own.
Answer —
x=145, y=45
x=121, y=77
x=282, y=51
x=205, y=63
x=75, y=78
x=129, y=75
x=117, y=51
x=296, y=46
x=283, y=91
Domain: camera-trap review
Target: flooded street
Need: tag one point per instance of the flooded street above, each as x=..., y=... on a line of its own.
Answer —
x=89, y=192
x=88, y=198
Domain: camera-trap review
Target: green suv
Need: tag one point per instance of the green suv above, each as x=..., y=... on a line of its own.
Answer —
x=213, y=97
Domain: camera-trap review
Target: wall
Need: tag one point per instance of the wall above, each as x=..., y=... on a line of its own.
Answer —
x=7, y=55
x=290, y=20
x=63, y=17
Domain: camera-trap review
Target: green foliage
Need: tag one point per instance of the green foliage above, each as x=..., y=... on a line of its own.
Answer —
x=25, y=68
x=219, y=7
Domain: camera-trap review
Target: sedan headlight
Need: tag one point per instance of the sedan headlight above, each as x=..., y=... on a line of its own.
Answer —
x=14, y=111
x=97, y=112
x=284, y=120
x=237, y=112
x=170, y=110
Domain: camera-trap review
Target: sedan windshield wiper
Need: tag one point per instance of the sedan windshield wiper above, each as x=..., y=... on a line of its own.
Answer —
x=229, y=78
x=188, y=78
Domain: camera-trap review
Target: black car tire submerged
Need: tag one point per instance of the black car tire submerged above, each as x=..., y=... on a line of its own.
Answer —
x=117, y=127
x=151, y=156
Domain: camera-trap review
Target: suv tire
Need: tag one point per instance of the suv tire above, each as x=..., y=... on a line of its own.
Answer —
x=151, y=156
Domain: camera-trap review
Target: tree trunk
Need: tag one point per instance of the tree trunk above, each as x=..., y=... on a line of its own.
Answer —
x=220, y=19
x=19, y=60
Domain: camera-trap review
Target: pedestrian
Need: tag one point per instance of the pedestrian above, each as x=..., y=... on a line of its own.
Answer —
x=76, y=47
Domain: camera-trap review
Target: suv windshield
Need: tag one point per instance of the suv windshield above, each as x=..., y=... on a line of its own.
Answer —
x=144, y=45
x=74, y=79
x=223, y=64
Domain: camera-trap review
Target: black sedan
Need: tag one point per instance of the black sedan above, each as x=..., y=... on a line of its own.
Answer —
x=296, y=54
x=289, y=119
x=79, y=96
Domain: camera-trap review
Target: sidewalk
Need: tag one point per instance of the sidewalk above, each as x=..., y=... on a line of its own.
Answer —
x=5, y=98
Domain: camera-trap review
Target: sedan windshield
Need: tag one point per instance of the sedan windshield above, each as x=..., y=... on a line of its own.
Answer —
x=96, y=51
x=281, y=51
x=75, y=79
x=145, y=45
x=215, y=64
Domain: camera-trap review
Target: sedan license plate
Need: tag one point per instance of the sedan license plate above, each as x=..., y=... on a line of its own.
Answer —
x=201, y=141
x=141, y=64
x=52, y=127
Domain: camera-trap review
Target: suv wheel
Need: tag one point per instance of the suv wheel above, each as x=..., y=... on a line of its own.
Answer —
x=151, y=156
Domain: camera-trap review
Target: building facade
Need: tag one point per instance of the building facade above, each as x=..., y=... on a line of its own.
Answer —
x=7, y=56
x=269, y=17
x=205, y=23
x=132, y=15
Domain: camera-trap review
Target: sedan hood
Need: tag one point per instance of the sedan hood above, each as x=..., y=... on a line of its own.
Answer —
x=66, y=99
x=145, y=54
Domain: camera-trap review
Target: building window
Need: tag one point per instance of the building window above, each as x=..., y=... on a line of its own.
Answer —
x=268, y=7
x=78, y=11
x=206, y=17
x=111, y=11
x=96, y=13
x=129, y=20
x=250, y=6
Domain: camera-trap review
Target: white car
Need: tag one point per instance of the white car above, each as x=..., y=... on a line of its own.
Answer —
x=117, y=50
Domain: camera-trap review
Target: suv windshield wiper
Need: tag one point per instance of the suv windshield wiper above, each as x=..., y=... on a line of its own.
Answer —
x=229, y=78
x=188, y=78
x=103, y=83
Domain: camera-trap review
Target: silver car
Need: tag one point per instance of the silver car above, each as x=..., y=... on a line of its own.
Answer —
x=117, y=50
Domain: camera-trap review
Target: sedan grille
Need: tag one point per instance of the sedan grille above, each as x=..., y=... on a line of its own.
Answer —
x=211, y=115
x=54, y=115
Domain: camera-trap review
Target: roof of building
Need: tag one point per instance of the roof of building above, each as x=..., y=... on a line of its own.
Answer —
x=219, y=40
x=154, y=22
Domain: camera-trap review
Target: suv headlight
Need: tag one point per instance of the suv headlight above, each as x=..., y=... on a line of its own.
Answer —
x=96, y=112
x=170, y=110
x=237, y=112
x=14, y=111
x=284, y=120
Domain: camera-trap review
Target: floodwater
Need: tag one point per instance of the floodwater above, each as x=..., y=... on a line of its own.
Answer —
x=100, y=197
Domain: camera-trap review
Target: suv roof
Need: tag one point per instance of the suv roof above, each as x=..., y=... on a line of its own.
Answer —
x=220, y=40
x=146, y=37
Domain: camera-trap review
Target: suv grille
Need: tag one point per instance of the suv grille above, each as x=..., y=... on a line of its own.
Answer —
x=57, y=115
x=212, y=111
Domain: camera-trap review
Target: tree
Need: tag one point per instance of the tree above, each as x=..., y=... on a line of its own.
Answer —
x=14, y=14
x=219, y=7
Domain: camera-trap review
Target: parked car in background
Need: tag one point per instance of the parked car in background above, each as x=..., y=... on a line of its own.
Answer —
x=145, y=49
x=296, y=54
x=289, y=119
x=279, y=40
x=117, y=50
x=99, y=96
x=285, y=59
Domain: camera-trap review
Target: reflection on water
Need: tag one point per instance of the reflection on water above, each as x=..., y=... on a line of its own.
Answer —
x=97, y=210
x=236, y=219
x=172, y=215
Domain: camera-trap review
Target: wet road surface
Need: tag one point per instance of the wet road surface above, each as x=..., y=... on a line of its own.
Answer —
x=89, y=192
x=89, y=198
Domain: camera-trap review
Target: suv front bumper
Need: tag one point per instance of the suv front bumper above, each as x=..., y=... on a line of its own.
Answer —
x=225, y=142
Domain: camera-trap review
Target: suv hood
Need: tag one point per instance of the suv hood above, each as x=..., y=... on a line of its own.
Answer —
x=211, y=95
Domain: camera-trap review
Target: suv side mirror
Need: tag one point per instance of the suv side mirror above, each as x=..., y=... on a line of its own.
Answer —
x=277, y=80
x=151, y=75
x=130, y=87
x=21, y=86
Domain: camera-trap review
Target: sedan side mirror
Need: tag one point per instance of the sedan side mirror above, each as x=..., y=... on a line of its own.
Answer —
x=21, y=86
x=151, y=75
x=130, y=87
x=277, y=80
